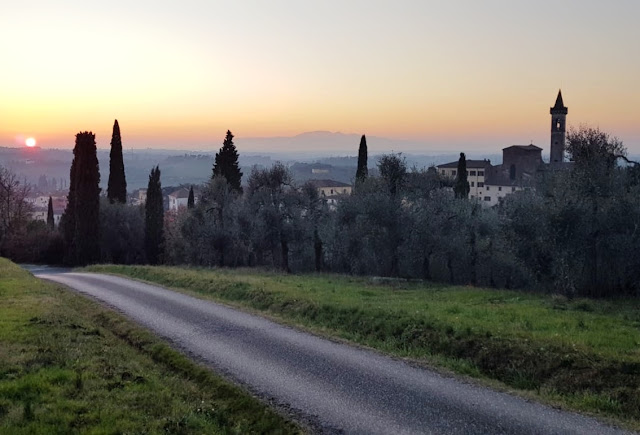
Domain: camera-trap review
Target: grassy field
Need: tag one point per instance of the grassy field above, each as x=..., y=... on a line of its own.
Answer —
x=581, y=354
x=69, y=366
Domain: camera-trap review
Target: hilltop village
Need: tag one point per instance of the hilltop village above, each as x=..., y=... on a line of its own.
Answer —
x=520, y=163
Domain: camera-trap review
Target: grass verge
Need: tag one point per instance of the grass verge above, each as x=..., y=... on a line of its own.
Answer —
x=580, y=354
x=67, y=365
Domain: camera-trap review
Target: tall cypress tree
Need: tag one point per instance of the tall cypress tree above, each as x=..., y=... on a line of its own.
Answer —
x=191, y=200
x=363, y=171
x=154, y=218
x=68, y=219
x=461, y=188
x=87, y=201
x=226, y=164
x=117, y=187
x=80, y=225
x=50, y=221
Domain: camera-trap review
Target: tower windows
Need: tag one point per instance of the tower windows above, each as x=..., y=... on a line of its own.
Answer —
x=512, y=172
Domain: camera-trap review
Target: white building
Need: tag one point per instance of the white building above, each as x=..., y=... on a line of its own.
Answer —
x=331, y=191
x=178, y=198
x=38, y=201
x=140, y=198
x=477, y=171
x=494, y=193
x=327, y=188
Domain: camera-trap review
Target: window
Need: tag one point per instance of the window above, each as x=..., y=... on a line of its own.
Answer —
x=512, y=172
x=499, y=188
x=480, y=184
x=487, y=198
x=444, y=172
x=453, y=173
x=344, y=190
x=480, y=173
x=332, y=191
x=488, y=188
x=472, y=184
x=513, y=189
x=472, y=173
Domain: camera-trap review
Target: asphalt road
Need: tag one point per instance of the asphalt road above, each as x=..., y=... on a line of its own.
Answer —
x=335, y=386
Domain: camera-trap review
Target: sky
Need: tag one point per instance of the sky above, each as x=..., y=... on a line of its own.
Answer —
x=453, y=75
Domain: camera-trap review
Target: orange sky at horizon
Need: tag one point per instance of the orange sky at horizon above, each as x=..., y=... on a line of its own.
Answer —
x=445, y=75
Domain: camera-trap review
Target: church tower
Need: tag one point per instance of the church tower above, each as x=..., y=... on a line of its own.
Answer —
x=558, y=130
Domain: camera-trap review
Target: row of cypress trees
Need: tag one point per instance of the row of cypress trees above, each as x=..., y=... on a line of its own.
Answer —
x=80, y=221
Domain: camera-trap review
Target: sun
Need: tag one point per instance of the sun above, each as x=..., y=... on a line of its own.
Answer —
x=30, y=142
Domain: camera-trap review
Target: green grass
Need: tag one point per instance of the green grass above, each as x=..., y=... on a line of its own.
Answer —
x=580, y=354
x=67, y=365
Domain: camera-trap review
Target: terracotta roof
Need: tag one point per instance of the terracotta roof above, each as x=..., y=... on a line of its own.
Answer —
x=327, y=183
x=530, y=147
x=470, y=164
x=180, y=193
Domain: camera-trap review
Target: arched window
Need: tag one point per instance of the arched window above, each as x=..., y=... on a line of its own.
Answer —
x=558, y=124
x=512, y=172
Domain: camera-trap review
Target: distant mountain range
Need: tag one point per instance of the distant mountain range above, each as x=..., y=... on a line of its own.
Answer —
x=323, y=143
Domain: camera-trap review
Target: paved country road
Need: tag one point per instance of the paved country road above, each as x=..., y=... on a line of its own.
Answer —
x=335, y=386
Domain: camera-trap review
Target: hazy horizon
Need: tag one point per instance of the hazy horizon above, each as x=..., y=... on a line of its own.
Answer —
x=317, y=143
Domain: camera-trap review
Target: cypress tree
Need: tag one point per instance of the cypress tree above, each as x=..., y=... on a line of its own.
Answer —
x=50, y=222
x=87, y=201
x=362, y=171
x=226, y=164
x=117, y=187
x=154, y=218
x=461, y=188
x=68, y=219
x=80, y=223
x=191, y=200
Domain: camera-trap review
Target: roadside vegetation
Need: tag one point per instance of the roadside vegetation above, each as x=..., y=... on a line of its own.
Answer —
x=67, y=365
x=583, y=354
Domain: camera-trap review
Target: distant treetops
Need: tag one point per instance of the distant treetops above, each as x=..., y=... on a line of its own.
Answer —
x=226, y=164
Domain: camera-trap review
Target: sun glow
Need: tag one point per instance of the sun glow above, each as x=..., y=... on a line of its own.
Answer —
x=30, y=142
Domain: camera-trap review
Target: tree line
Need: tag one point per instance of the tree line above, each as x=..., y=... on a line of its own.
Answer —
x=576, y=233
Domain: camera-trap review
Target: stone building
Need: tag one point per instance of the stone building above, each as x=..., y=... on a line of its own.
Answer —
x=520, y=163
x=558, y=131
x=178, y=198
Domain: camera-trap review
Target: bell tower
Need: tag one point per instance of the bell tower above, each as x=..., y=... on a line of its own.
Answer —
x=558, y=130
